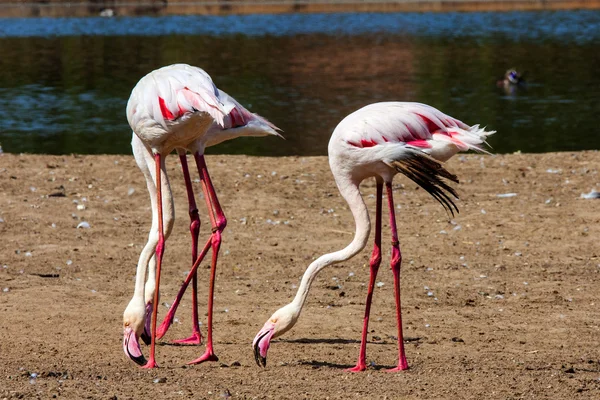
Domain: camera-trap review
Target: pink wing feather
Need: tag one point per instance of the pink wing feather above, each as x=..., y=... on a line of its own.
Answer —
x=414, y=125
x=173, y=92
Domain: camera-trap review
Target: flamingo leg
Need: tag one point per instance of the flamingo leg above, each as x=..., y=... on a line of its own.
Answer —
x=190, y=276
x=196, y=337
x=395, y=265
x=374, y=263
x=160, y=247
x=218, y=222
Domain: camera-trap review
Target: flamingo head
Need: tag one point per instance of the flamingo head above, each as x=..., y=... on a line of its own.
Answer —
x=133, y=328
x=280, y=322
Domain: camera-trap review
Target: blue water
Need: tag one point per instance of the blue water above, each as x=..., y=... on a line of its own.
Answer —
x=575, y=26
x=64, y=82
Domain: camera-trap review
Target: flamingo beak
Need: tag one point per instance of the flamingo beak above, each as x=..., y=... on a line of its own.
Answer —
x=131, y=347
x=261, y=343
x=146, y=334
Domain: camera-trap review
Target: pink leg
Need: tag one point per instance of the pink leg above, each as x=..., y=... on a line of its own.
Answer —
x=160, y=246
x=196, y=337
x=218, y=222
x=374, y=267
x=395, y=264
x=171, y=313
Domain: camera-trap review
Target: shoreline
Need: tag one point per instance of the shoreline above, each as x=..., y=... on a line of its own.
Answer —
x=161, y=8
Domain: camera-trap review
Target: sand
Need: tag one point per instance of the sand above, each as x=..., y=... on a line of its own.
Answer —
x=499, y=301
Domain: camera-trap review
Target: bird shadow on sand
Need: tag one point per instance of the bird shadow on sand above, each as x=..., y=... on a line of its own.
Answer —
x=345, y=341
x=170, y=343
x=318, y=364
x=319, y=340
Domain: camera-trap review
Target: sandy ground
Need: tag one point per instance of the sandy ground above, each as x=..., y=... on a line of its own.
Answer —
x=499, y=302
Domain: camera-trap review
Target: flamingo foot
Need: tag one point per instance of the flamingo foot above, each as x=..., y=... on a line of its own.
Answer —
x=150, y=364
x=196, y=338
x=358, y=368
x=402, y=366
x=207, y=356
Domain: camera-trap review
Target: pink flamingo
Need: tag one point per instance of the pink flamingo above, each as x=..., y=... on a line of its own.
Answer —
x=381, y=140
x=178, y=107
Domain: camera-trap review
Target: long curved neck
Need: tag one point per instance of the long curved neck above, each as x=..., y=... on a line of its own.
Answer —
x=350, y=192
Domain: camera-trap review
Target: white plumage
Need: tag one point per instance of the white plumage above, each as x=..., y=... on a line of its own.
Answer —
x=381, y=140
x=178, y=107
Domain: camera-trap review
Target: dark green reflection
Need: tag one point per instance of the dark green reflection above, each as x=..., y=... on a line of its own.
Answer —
x=68, y=94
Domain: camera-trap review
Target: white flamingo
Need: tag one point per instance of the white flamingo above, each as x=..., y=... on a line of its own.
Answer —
x=178, y=107
x=381, y=140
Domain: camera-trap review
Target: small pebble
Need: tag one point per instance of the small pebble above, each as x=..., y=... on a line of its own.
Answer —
x=83, y=224
x=160, y=380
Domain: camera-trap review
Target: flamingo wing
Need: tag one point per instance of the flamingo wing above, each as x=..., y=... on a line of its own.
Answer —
x=412, y=124
x=172, y=93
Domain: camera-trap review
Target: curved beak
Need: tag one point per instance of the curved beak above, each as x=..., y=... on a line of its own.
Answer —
x=146, y=335
x=261, y=343
x=131, y=347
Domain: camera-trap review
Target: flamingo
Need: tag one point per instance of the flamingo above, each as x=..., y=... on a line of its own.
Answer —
x=381, y=140
x=178, y=107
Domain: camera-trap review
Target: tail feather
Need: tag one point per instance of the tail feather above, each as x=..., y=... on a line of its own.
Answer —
x=470, y=139
x=428, y=173
x=247, y=117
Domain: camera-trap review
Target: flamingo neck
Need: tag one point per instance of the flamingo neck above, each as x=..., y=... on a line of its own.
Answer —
x=350, y=192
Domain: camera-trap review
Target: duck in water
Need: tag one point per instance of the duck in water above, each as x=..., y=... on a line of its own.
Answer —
x=511, y=81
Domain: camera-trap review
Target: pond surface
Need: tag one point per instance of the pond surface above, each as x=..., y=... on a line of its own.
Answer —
x=64, y=82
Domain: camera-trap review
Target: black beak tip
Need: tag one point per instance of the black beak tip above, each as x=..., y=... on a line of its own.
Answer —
x=141, y=360
x=260, y=360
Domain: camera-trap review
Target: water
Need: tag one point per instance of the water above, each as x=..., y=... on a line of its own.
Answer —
x=64, y=83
